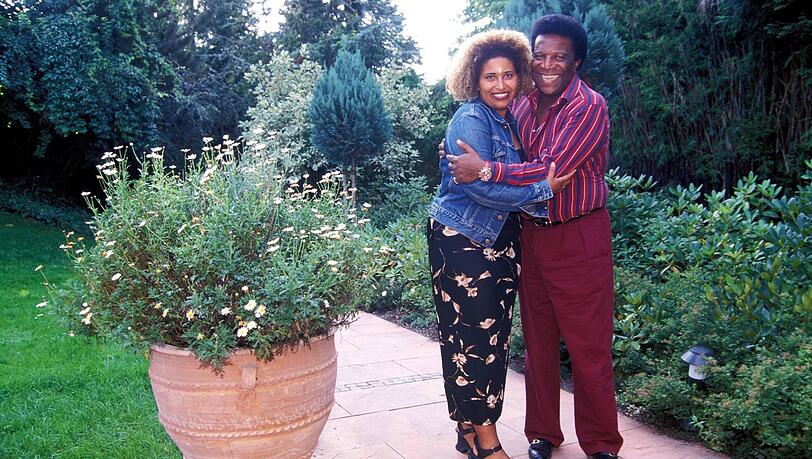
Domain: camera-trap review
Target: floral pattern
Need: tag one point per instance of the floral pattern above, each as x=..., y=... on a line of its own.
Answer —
x=474, y=292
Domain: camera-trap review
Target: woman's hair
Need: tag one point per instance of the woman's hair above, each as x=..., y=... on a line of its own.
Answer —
x=462, y=81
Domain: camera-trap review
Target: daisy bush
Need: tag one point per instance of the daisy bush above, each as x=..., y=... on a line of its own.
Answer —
x=227, y=253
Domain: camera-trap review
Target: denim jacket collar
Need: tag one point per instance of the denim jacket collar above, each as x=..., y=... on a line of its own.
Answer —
x=508, y=118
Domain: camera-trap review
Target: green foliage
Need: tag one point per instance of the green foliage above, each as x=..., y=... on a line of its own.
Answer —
x=398, y=212
x=762, y=408
x=731, y=273
x=283, y=91
x=284, y=87
x=211, y=44
x=318, y=29
x=405, y=285
x=227, y=255
x=714, y=92
x=483, y=10
x=521, y=14
x=347, y=111
x=444, y=108
x=79, y=77
x=84, y=70
x=410, y=109
x=398, y=200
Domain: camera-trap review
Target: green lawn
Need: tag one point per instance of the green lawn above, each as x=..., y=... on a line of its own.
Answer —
x=61, y=396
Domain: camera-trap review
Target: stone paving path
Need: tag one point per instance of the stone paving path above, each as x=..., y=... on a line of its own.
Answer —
x=390, y=404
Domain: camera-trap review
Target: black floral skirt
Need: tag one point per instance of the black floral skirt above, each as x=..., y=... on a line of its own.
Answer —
x=474, y=292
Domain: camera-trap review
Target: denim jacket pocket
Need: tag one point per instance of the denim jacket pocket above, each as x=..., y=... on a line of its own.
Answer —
x=471, y=211
x=499, y=152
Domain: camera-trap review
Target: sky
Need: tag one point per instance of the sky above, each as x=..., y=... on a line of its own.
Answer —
x=435, y=25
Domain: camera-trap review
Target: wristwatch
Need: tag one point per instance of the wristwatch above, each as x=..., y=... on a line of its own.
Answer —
x=485, y=173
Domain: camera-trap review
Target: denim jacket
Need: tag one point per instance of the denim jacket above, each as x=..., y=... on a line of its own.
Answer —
x=479, y=209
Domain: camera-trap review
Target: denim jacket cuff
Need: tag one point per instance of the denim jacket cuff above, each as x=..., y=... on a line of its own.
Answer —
x=538, y=208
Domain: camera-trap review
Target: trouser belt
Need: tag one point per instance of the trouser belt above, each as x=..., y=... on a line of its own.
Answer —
x=544, y=222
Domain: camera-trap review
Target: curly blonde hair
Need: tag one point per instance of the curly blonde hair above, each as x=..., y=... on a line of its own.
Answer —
x=462, y=80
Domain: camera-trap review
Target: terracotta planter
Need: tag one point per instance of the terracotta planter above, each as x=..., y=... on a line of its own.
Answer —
x=254, y=410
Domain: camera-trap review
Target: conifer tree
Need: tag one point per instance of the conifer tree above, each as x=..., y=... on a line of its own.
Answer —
x=350, y=123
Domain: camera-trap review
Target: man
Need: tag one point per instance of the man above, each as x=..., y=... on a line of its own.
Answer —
x=566, y=289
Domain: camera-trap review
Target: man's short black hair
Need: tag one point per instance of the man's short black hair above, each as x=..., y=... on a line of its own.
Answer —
x=566, y=26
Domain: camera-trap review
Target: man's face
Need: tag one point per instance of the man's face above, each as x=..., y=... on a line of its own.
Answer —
x=553, y=64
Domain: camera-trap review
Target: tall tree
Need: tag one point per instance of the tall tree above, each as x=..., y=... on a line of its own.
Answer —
x=212, y=44
x=483, y=10
x=350, y=123
x=320, y=28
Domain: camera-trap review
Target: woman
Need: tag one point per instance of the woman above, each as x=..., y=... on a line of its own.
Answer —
x=473, y=236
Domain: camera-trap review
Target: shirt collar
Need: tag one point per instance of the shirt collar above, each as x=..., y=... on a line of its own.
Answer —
x=569, y=93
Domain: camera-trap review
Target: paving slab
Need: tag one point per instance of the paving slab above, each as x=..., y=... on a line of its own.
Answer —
x=390, y=404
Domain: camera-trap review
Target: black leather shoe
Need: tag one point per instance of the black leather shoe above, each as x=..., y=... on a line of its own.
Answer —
x=540, y=449
x=604, y=456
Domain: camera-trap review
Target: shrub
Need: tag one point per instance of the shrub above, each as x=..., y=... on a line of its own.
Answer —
x=410, y=109
x=283, y=90
x=405, y=284
x=761, y=409
x=729, y=272
x=226, y=254
x=43, y=204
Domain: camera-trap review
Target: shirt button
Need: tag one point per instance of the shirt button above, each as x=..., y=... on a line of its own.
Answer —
x=487, y=241
x=500, y=217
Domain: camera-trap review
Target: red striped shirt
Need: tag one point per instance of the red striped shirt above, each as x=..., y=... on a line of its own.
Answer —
x=574, y=135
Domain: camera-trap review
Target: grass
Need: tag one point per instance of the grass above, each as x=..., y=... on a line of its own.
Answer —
x=62, y=396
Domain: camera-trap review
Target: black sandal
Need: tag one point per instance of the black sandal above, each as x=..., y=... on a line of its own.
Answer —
x=482, y=453
x=462, y=444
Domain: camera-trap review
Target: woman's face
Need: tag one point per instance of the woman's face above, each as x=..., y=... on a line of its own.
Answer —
x=497, y=83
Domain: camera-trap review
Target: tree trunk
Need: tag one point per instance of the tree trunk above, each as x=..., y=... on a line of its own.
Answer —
x=354, y=189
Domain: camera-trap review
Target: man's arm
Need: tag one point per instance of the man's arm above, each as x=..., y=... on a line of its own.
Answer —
x=469, y=172
x=494, y=195
x=580, y=138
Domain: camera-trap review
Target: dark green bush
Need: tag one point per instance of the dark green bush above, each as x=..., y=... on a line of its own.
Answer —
x=43, y=204
x=400, y=213
x=729, y=272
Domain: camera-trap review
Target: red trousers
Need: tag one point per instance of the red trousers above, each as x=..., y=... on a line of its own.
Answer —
x=567, y=290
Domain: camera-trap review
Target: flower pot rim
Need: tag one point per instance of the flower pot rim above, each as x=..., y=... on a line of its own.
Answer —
x=182, y=351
